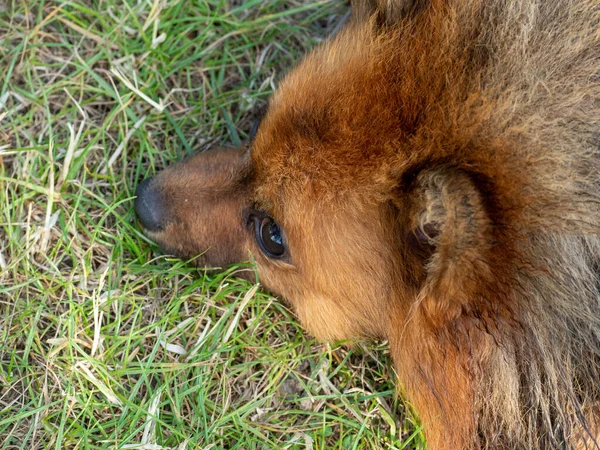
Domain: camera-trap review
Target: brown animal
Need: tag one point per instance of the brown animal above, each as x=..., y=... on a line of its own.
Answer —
x=430, y=176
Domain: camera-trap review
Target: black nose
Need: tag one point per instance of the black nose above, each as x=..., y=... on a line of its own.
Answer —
x=149, y=206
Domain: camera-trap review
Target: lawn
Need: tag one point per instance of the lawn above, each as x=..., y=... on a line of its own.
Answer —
x=105, y=343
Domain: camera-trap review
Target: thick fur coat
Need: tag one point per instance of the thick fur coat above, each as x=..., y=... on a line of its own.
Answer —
x=434, y=173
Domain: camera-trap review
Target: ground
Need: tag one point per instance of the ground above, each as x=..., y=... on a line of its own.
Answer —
x=104, y=342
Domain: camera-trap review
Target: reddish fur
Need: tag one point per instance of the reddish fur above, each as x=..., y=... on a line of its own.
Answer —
x=438, y=184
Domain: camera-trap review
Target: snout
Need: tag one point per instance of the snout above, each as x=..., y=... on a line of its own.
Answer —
x=195, y=208
x=150, y=206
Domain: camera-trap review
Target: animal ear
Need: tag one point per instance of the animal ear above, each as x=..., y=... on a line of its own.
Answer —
x=386, y=12
x=447, y=229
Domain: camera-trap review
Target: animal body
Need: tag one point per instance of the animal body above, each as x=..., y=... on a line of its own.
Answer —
x=430, y=176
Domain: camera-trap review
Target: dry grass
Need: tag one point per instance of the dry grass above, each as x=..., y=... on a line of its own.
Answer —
x=103, y=342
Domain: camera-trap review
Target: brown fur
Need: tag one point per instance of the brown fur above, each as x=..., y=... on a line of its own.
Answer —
x=436, y=170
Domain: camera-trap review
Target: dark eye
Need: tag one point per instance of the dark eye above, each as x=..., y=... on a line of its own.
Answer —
x=269, y=236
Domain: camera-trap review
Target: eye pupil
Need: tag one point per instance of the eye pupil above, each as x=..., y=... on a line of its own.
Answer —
x=269, y=237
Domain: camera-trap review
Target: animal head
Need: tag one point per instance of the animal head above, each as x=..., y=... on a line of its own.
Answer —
x=334, y=199
x=427, y=177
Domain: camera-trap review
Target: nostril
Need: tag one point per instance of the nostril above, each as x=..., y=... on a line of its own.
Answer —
x=148, y=206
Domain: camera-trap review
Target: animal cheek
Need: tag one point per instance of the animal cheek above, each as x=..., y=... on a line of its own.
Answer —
x=317, y=313
x=323, y=319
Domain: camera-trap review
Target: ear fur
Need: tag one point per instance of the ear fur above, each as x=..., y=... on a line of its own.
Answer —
x=449, y=231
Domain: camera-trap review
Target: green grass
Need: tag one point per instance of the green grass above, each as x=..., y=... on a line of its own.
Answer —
x=104, y=343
